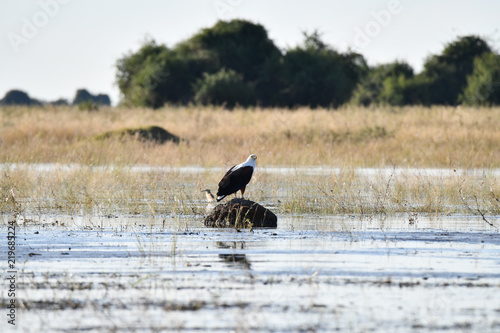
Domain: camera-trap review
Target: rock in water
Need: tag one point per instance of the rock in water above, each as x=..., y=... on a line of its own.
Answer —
x=241, y=213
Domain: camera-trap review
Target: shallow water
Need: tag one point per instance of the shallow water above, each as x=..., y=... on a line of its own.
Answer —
x=318, y=170
x=111, y=271
x=312, y=273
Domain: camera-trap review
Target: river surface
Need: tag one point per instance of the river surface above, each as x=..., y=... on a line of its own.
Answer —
x=317, y=170
x=106, y=270
x=311, y=274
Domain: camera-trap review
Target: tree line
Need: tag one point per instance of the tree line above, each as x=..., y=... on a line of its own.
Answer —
x=82, y=98
x=235, y=63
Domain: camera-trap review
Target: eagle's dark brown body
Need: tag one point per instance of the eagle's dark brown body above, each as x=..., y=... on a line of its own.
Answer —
x=236, y=178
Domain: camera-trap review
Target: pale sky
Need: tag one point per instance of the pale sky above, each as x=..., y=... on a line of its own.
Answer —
x=51, y=48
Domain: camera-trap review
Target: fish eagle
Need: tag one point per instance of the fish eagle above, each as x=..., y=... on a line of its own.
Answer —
x=236, y=178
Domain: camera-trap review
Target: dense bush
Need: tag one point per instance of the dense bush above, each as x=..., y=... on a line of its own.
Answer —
x=483, y=85
x=442, y=81
x=383, y=84
x=225, y=87
x=60, y=102
x=240, y=52
x=18, y=97
x=447, y=73
x=316, y=75
x=82, y=96
x=235, y=62
x=156, y=75
x=238, y=45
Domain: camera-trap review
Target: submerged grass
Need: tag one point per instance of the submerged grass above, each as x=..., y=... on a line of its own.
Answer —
x=351, y=193
x=124, y=192
x=86, y=191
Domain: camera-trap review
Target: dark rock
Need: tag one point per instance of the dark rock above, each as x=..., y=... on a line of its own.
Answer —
x=241, y=213
x=60, y=102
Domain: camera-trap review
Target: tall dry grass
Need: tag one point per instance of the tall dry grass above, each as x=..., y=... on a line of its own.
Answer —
x=99, y=192
x=123, y=191
x=350, y=136
x=349, y=191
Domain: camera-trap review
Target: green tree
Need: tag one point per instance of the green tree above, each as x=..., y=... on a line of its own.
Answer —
x=60, y=102
x=316, y=75
x=156, y=75
x=441, y=82
x=130, y=66
x=483, y=85
x=384, y=84
x=83, y=96
x=244, y=47
x=446, y=74
x=238, y=44
x=226, y=87
x=18, y=97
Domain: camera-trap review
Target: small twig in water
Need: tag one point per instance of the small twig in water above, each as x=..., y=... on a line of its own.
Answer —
x=482, y=214
x=386, y=192
x=477, y=208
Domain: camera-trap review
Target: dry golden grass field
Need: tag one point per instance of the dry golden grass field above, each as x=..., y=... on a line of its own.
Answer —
x=355, y=137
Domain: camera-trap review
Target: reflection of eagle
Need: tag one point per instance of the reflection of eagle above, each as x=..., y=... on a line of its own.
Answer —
x=234, y=258
x=236, y=178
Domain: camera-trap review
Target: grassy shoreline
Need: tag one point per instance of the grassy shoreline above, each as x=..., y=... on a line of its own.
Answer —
x=443, y=137
x=84, y=190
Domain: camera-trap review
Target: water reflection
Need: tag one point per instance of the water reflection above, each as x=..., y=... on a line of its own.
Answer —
x=234, y=259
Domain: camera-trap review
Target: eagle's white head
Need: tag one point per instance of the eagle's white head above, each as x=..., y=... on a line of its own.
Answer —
x=249, y=162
